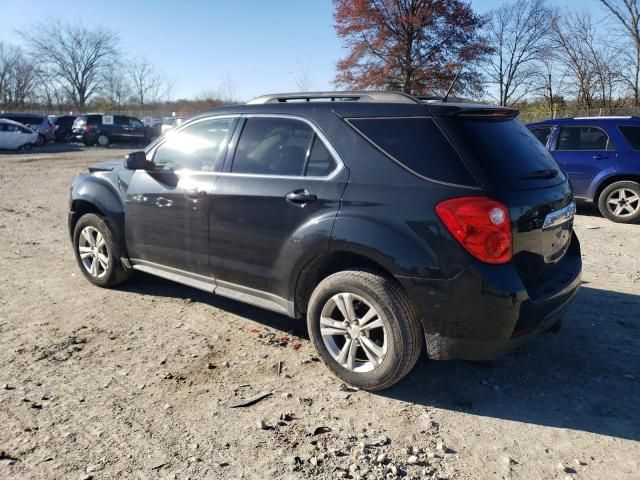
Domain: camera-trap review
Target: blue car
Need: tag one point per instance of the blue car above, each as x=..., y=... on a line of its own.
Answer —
x=601, y=156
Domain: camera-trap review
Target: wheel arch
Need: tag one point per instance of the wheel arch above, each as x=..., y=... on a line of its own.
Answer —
x=619, y=177
x=327, y=264
x=93, y=194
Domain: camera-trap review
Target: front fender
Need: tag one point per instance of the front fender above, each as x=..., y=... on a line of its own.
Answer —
x=97, y=193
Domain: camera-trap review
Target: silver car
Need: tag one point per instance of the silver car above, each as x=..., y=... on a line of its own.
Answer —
x=39, y=123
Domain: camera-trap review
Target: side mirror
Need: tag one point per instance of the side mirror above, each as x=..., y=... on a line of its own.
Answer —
x=136, y=161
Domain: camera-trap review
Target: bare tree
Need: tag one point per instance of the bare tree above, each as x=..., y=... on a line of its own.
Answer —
x=627, y=12
x=517, y=33
x=302, y=78
x=570, y=31
x=148, y=84
x=17, y=76
x=77, y=55
x=116, y=87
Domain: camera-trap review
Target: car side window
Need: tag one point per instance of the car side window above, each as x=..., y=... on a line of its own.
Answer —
x=120, y=120
x=272, y=146
x=583, y=138
x=198, y=146
x=542, y=134
x=134, y=122
x=320, y=163
x=631, y=134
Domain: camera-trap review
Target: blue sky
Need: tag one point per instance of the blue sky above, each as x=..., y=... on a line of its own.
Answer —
x=256, y=46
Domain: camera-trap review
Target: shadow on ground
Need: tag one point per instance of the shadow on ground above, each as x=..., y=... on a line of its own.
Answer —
x=587, y=377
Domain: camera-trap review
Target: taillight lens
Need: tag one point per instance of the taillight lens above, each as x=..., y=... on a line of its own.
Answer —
x=481, y=225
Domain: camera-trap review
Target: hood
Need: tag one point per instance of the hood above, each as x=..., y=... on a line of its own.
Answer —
x=105, y=166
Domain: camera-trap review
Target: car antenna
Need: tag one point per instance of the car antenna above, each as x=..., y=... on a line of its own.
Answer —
x=455, y=79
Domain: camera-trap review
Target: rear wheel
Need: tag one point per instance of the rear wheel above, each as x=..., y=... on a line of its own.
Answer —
x=620, y=202
x=97, y=252
x=103, y=140
x=365, y=328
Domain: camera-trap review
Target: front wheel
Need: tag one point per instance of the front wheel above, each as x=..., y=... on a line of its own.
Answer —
x=365, y=328
x=41, y=140
x=620, y=202
x=97, y=252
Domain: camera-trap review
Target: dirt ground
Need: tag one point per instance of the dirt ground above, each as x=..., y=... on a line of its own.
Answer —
x=139, y=382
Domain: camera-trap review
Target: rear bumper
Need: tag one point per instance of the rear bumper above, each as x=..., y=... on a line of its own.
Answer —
x=486, y=310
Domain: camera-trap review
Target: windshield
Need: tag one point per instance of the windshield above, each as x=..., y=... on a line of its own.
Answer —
x=508, y=153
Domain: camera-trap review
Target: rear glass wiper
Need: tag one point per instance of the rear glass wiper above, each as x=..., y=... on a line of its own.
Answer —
x=545, y=173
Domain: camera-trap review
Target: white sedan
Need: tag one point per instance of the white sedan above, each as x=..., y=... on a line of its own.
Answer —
x=14, y=135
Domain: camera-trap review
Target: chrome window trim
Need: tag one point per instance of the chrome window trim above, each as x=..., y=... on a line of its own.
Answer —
x=319, y=133
x=609, y=139
x=151, y=152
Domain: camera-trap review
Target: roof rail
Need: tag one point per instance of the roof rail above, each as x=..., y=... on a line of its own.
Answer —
x=353, y=96
x=604, y=117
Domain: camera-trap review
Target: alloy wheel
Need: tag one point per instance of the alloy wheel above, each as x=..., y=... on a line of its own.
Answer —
x=353, y=332
x=93, y=252
x=623, y=202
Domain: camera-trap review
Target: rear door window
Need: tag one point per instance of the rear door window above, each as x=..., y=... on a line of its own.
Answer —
x=631, y=134
x=509, y=154
x=417, y=144
x=272, y=146
x=542, y=134
x=583, y=138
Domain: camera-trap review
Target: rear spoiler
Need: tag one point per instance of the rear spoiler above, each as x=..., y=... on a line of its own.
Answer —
x=472, y=111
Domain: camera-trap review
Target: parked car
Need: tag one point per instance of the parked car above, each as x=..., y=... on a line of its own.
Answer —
x=39, y=123
x=62, y=127
x=14, y=135
x=601, y=156
x=169, y=123
x=104, y=129
x=387, y=221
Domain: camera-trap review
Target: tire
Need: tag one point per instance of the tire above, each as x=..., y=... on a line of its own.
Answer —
x=107, y=273
x=622, y=197
x=400, y=329
x=103, y=140
x=41, y=140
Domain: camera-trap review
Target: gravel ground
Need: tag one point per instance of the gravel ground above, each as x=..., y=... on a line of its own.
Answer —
x=139, y=382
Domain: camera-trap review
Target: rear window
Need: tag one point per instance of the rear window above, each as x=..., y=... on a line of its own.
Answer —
x=507, y=151
x=417, y=144
x=632, y=134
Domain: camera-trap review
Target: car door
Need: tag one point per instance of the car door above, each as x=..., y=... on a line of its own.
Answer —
x=167, y=205
x=274, y=204
x=5, y=136
x=583, y=151
x=136, y=131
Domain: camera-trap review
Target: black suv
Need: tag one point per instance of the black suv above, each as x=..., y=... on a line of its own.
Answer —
x=390, y=222
x=106, y=129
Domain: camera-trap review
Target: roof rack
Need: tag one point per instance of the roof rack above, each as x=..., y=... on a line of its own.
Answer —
x=604, y=117
x=353, y=96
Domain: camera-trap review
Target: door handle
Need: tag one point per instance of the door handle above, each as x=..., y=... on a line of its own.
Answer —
x=301, y=197
x=597, y=156
x=195, y=193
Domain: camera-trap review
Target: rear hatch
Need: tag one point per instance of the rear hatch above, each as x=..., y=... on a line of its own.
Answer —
x=518, y=171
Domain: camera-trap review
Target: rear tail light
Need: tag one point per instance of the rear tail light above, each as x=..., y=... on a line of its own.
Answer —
x=481, y=225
